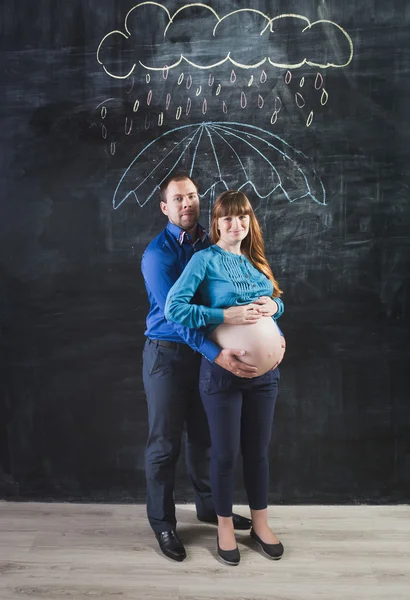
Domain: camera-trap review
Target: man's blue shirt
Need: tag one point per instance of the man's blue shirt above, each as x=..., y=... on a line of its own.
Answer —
x=162, y=263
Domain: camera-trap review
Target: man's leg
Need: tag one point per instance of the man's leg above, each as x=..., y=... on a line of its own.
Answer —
x=166, y=415
x=198, y=443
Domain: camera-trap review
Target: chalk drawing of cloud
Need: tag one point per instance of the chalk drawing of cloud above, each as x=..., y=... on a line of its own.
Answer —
x=197, y=35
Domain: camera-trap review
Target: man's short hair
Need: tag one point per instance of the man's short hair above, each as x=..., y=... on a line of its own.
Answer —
x=174, y=177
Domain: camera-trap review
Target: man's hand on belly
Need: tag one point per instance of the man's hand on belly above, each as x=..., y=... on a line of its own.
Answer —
x=227, y=359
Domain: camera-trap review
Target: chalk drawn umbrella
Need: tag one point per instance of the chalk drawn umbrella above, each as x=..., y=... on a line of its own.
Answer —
x=221, y=156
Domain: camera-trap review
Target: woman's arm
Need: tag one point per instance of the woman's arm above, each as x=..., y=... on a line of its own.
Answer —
x=178, y=307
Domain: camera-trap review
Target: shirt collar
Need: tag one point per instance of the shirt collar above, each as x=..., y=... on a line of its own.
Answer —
x=182, y=236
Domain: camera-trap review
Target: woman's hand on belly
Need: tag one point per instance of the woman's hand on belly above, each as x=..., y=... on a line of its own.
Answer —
x=267, y=306
x=242, y=315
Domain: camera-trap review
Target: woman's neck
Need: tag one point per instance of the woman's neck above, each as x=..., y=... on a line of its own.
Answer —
x=234, y=248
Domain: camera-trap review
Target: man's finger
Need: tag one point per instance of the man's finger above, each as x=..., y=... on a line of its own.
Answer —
x=244, y=374
x=235, y=352
x=244, y=367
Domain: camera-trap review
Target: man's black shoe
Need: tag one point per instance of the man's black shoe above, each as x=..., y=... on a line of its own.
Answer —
x=238, y=521
x=171, y=545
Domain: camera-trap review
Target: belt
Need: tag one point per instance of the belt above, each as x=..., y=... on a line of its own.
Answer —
x=165, y=343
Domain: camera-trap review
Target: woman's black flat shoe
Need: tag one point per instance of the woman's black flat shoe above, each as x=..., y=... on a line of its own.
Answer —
x=272, y=551
x=230, y=557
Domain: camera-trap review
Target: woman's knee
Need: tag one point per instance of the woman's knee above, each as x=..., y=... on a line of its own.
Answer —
x=255, y=454
x=224, y=461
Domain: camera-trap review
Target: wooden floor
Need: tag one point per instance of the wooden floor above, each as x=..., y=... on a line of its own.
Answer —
x=72, y=551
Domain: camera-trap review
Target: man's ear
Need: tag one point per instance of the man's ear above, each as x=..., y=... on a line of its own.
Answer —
x=164, y=207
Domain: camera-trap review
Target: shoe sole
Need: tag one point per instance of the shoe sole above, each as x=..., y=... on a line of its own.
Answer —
x=265, y=553
x=227, y=562
x=173, y=558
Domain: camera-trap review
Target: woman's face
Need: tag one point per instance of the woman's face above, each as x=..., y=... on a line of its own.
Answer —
x=233, y=229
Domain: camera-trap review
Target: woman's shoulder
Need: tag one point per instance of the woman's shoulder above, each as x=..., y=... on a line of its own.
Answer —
x=205, y=259
x=207, y=254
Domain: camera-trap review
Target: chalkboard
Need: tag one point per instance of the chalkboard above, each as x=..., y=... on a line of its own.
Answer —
x=304, y=106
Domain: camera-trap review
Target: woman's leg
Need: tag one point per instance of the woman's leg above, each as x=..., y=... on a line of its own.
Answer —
x=223, y=404
x=259, y=399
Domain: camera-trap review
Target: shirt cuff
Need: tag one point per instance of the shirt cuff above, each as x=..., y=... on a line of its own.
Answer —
x=210, y=350
x=281, y=308
x=214, y=316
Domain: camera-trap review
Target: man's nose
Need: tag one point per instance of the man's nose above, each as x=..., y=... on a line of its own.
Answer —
x=187, y=201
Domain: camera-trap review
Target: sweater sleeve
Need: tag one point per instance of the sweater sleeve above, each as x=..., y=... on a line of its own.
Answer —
x=281, y=308
x=178, y=307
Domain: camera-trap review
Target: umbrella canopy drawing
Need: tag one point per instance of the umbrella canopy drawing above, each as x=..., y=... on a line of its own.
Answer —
x=222, y=156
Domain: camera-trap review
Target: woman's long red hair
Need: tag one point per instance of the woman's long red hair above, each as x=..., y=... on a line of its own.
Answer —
x=233, y=203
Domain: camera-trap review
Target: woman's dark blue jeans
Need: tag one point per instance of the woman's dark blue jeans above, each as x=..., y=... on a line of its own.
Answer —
x=240, y=416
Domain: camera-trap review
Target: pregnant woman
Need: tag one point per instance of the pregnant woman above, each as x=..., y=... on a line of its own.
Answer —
x=230, y=276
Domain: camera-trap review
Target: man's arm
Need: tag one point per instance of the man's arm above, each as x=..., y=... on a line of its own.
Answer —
x=160, y=274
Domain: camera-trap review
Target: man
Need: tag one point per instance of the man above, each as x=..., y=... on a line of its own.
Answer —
x=171, y=362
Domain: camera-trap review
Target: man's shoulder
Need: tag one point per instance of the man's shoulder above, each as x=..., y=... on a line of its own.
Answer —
x=161, y=244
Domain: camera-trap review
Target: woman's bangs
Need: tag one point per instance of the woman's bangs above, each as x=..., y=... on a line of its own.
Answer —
x=232, y=206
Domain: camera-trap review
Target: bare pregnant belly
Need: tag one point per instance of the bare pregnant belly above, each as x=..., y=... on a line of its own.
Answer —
x=261, y=342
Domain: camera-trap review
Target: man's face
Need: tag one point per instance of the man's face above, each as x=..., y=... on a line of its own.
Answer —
x=182, y=205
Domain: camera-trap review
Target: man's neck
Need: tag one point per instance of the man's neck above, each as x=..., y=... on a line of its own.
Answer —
x=193, y=233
